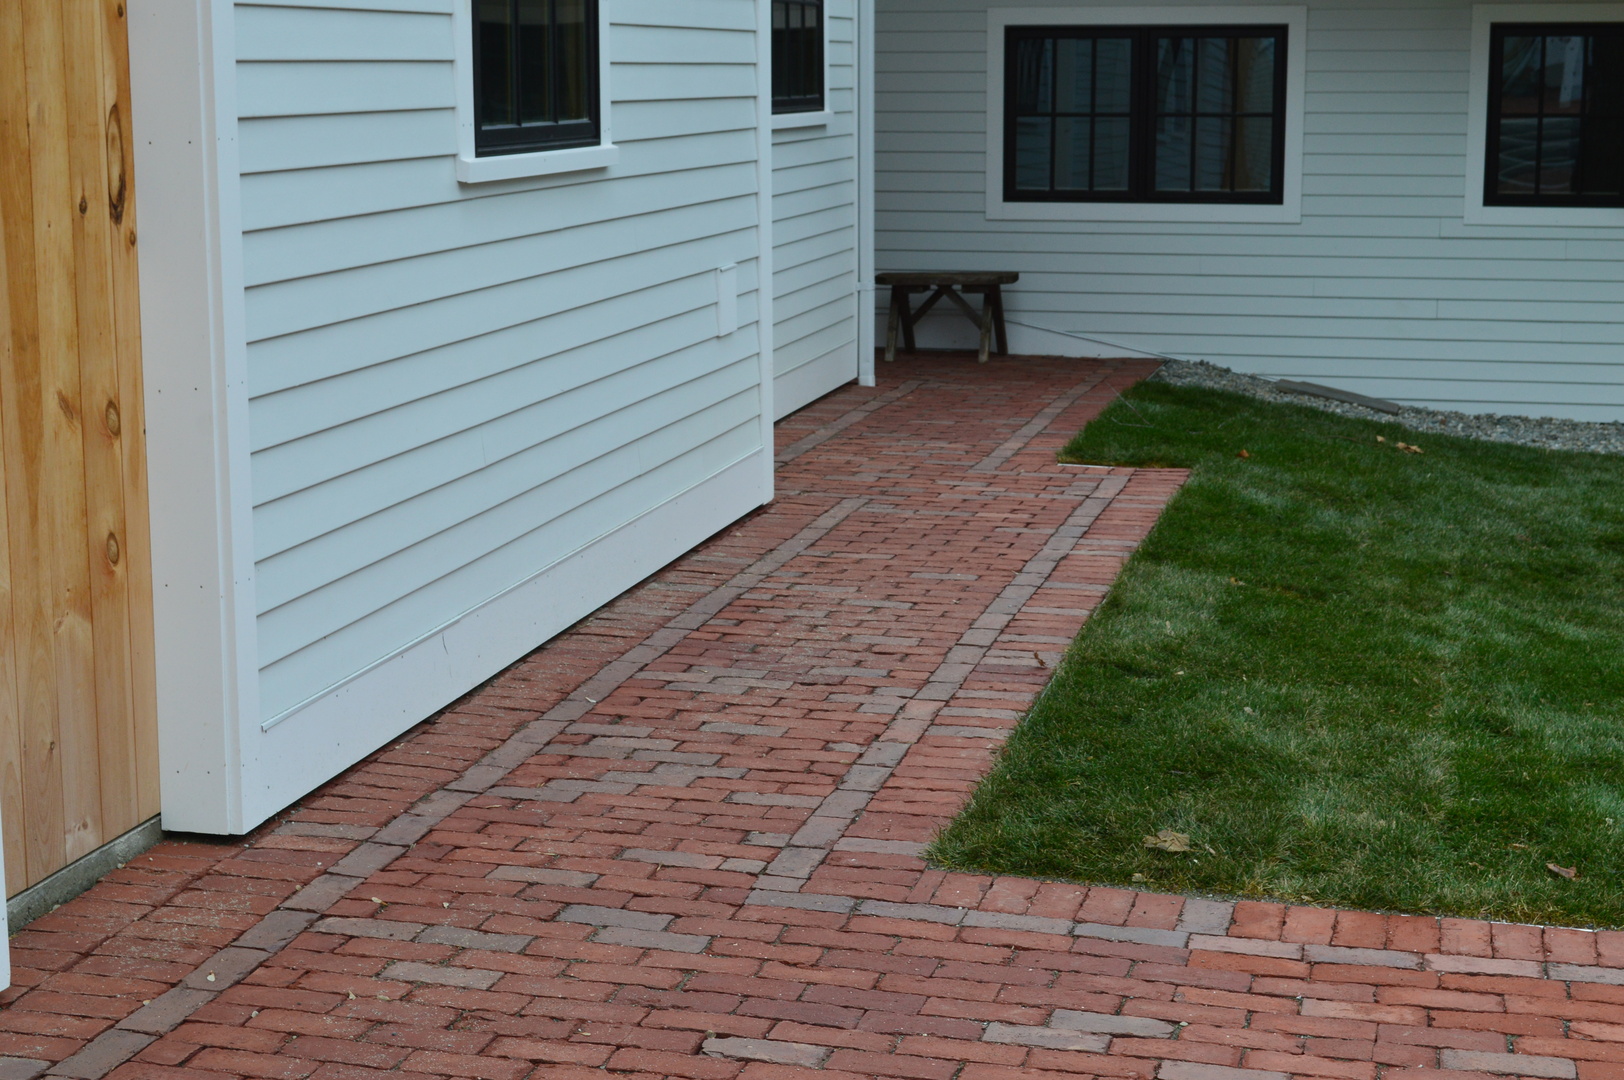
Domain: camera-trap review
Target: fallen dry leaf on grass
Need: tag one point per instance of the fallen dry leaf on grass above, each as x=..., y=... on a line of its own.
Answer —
x=1168, y=840
x=1408, y=449
x=1243, y=454
x=1569, y=872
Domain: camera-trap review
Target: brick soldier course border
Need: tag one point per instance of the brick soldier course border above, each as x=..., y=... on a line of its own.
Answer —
x=683, y=838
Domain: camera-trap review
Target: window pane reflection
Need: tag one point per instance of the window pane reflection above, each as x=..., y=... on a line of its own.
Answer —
x=1173, y=153
x=1559, y=101
x=537, y=74
x=1111, y=154
x=1032, y=153
x=1073, y=153
x=495, y=31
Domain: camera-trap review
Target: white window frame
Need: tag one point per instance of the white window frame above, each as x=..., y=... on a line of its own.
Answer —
x=473, y=169
x=821, y=118
x=1484, y=16
x=1289, y=211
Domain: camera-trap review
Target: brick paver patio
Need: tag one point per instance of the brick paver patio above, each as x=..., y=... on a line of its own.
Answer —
x=683, y=839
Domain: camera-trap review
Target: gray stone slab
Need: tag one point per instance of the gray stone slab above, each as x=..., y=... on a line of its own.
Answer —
x=225, y=968
x=165, y=1012
x=917, y=912
x=753, y=798
x=1332, y=954
x=414, y=972
x=1172, y=939
x=1110, y=1024
x=797, y=862
x=1206, y=916
x=804, y=901
x=607, y=916
x=820, y=832
x=368, y=859
x=1047, y=1038
x=1035, y=924
x=1585, y=974
x=543, y=876
x=276, y=929
x=386, y=929
x=322, y=894
x=673, y=858
x=1553, y=1068
x=1308, y=389
x=804, y=1055
x=845, y=804
x=461, y=938
x=865, y=777
x=103, y=1054
x=652, y=939
x=405, y=830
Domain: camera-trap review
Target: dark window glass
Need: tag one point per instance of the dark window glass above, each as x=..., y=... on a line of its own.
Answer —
x=1145, y=114
x=798, y=56
x=1556, y=115
x=535, y=75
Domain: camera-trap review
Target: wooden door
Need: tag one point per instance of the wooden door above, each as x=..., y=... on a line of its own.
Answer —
x=78, y=731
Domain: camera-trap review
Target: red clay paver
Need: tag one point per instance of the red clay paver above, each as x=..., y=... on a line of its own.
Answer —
x=683, y=838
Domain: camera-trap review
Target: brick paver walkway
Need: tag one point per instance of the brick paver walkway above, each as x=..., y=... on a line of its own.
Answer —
x=682, y=839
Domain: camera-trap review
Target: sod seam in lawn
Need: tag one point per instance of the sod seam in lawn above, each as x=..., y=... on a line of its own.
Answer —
x=1353, y=675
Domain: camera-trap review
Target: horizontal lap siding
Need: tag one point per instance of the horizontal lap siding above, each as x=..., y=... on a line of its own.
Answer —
x=454, y=386
x=1382, y=287
x=815, y=233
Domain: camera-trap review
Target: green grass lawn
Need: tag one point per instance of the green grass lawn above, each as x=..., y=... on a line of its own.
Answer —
x=1351, y=674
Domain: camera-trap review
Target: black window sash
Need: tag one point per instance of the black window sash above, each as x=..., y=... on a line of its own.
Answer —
x=519, y=138
x=1596, y=128
x=1143, y=115
x=798, y=57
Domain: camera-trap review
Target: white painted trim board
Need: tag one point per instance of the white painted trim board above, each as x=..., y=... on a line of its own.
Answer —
x=195, y=358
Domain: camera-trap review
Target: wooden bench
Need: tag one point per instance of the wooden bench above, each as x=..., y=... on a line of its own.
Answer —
x=951, y=286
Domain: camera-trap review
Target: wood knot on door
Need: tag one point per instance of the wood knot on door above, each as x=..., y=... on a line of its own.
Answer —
x=117, y=181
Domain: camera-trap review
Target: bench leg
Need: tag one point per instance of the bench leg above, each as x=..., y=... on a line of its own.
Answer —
x=986, y=326
x=997, y=298
x=891, y=324
x=910, y=318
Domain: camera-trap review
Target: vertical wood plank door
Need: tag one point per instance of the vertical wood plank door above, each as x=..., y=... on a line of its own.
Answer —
x=78, y=727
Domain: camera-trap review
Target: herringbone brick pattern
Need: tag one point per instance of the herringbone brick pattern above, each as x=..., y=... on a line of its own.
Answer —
x=683, y=839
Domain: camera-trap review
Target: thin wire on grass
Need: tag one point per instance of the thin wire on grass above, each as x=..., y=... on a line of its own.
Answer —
x=1136, y=412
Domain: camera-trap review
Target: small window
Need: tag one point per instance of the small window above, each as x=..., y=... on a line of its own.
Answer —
x=1145, y=114
x=798, y=56
x=1556, y=115
x=535, y=75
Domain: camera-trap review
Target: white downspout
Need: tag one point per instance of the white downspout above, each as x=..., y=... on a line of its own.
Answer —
x=764, y=231
x=866, y=327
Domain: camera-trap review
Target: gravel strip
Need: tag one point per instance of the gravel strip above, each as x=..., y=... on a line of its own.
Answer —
x=1543, y=432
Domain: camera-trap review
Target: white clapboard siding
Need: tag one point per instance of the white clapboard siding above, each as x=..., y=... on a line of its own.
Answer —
x=1382, y=287
x=815, y=234
x=455, y=387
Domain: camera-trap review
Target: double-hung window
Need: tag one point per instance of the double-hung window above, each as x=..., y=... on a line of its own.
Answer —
x=1145, y=114
x=1556, y=115
x=798, y=62
x=535, y=75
